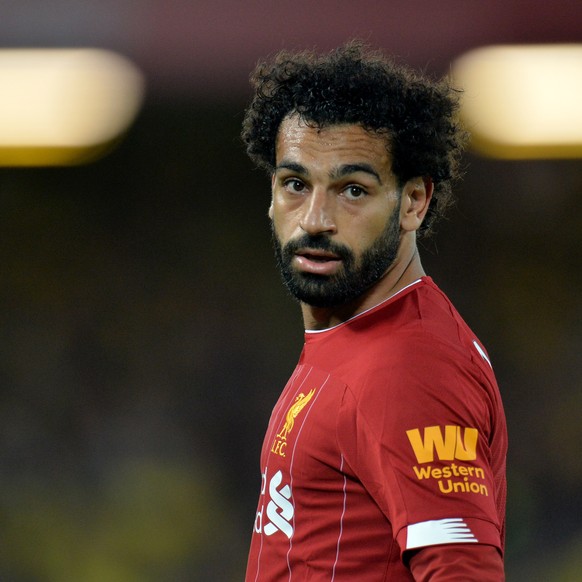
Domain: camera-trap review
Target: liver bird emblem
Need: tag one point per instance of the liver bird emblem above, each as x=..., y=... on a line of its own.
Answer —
x=299, y=404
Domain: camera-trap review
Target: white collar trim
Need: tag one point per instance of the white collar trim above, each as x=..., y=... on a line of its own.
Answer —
x=314, y=331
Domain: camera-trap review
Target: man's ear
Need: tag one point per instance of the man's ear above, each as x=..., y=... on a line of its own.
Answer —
x=415, y=200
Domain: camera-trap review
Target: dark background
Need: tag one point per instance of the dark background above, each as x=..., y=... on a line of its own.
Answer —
x=144, y=334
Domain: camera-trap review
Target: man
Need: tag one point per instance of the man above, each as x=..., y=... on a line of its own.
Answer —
x=384, y=458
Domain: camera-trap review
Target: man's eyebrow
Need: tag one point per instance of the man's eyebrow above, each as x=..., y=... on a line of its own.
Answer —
x=348, y=169
x=342, y=171
x=293, y=166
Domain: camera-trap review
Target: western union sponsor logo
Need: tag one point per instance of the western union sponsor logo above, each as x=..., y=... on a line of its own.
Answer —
x=455, y=443
x=448, y=443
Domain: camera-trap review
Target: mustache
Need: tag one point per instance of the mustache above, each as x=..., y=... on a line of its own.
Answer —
x=317, y=242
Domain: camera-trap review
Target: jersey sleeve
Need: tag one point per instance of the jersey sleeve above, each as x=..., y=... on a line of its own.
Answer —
x=451, y=563
x=417, y=434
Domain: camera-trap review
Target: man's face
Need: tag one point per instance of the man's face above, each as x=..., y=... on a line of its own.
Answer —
x=335, y=211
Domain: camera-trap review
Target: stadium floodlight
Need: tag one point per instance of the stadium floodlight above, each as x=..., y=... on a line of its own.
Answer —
x=522, y=101
x=64, y=106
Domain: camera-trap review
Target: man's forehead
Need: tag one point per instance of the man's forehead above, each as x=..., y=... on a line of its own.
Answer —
x=298, y=138
x=296, y=123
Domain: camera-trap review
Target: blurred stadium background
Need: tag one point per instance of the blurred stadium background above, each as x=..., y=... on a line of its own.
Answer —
x=144, y=335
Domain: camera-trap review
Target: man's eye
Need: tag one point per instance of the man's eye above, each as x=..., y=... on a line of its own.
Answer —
x=354, y=192
x=294, y=185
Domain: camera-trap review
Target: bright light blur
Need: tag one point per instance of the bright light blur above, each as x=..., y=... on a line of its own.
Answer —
x=523, y=101
x=60, y=106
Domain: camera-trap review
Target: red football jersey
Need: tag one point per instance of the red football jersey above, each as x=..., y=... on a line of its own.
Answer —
x=389, y=436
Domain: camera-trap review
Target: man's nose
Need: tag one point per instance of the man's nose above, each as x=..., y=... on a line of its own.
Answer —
x=319, y=213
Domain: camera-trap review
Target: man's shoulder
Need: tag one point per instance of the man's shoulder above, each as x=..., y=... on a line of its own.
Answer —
x=422, y=330
x=424, y=313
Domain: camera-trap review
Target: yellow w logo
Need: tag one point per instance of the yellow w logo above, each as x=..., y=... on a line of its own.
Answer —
x=454, y=444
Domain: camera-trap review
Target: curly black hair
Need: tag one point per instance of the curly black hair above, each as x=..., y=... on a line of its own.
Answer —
x=354, y=84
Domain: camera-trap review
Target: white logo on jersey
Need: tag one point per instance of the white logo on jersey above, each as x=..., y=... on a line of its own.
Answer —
x=279, y=509
x=279, y=500
x=439, y=531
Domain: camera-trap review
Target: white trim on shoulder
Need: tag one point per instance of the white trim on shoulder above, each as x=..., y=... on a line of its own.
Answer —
x=482, y=353
x=366, y=311
x=439, y=531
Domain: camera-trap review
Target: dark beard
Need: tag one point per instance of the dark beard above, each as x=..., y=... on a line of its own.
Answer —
x=353, y=279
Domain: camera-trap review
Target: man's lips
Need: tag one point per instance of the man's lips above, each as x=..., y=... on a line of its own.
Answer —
x=316, y=261
x=318, y=254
